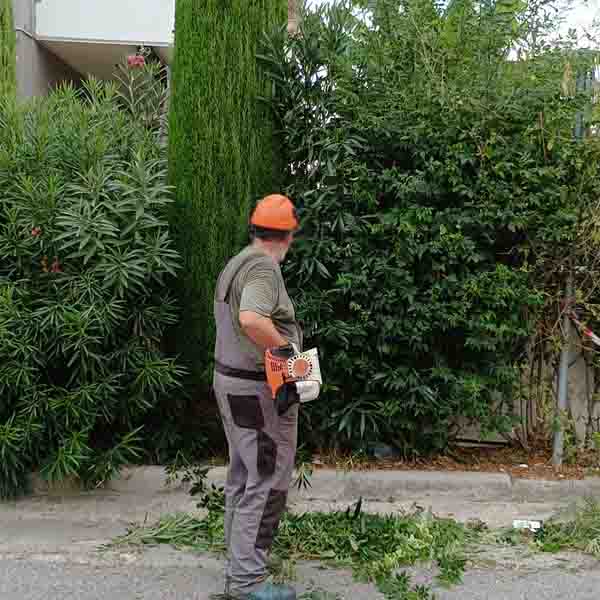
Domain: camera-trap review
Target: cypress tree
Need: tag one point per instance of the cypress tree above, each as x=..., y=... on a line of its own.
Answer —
x=222, y=149
x=8, y=42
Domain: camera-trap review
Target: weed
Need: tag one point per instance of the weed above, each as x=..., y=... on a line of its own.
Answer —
x=188, y=473
x=580, y=533
x=398, y=588
x=304, y=469
x=374, y=547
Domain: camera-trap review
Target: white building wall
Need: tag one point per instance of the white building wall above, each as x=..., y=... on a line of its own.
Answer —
x=38, y=70
x=148, y=22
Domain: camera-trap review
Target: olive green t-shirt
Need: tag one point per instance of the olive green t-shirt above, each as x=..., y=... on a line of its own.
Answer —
x=258, y=286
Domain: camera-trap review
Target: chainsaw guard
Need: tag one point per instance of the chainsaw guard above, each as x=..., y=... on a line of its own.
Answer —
x=308, y=390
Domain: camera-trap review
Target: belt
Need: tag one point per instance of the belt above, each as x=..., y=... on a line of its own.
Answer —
x=239, y=373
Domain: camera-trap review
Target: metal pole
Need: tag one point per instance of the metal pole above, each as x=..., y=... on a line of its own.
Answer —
x=583, y=82
x=563, y=377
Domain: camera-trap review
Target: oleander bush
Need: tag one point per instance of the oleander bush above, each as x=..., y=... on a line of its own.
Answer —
x=85, y=263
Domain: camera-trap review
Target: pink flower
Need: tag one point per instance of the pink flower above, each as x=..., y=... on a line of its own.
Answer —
x=56, y=268
x=135, y=61
x=36, y=231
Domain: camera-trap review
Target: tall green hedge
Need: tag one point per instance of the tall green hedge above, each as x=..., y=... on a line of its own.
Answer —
x=222, y=148
x=8, y=67
x=434, y=208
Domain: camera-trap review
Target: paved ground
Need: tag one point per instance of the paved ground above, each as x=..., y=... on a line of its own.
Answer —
x=166, y=574
x=49, y=548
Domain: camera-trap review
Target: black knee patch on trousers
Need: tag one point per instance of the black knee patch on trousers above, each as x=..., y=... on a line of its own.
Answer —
x=266, y=457
x=269, y=523
x=246, y=411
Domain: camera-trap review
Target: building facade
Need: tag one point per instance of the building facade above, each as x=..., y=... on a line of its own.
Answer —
x=60, y=40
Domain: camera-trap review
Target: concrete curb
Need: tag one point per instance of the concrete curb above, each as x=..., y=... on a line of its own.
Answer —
x=532, y=490
x=386, y=486
x=391, y=486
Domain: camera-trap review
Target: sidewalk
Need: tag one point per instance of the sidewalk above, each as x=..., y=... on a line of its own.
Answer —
x=140, y=494
x=494, y=498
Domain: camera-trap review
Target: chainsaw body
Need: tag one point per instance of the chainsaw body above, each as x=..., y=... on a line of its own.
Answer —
x=293, y=375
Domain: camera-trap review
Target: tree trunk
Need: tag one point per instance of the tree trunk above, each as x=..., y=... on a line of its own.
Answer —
x=293, y=17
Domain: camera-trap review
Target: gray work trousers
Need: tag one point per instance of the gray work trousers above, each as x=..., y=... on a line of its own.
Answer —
x=262, y=450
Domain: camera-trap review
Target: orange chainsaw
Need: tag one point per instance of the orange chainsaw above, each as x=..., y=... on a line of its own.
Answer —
x=293, y=376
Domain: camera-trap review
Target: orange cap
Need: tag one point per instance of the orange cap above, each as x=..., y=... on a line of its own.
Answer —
x=275, y=212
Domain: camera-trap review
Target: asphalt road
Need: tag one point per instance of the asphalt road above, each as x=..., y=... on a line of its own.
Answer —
x=198, y=578
x=36, y=580
x=544, y=585
x=56, y=578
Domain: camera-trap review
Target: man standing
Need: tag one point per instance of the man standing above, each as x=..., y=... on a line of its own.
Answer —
x=254, y=313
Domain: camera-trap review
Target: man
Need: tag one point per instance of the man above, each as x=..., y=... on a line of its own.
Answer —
x=254, y=313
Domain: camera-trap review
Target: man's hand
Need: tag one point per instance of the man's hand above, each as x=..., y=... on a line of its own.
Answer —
x=261, y=330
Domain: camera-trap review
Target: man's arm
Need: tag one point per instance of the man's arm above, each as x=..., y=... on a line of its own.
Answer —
x=257, y=304
x=261, y=330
